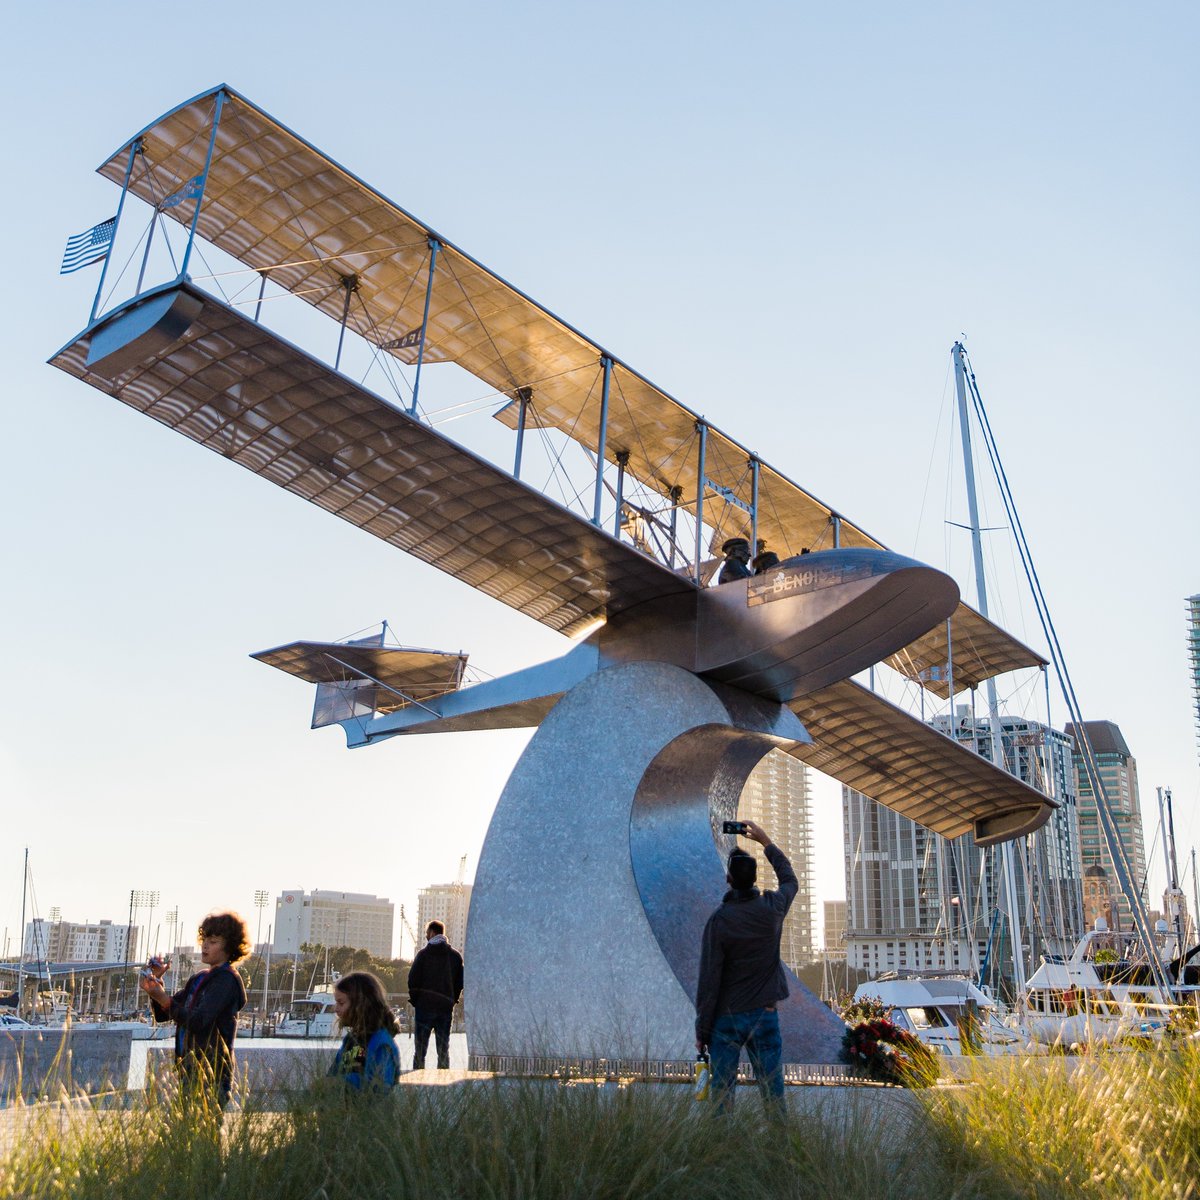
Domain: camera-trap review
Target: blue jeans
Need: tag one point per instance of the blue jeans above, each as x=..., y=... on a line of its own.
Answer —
x=758, y=1031
x=427, y=1021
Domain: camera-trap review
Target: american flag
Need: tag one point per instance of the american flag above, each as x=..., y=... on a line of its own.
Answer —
x=88, y=247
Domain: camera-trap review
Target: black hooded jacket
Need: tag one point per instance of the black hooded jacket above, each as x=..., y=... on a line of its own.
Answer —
x=435, y=981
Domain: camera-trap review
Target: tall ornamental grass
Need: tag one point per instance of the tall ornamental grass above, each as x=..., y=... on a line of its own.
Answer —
x=1125, y=1125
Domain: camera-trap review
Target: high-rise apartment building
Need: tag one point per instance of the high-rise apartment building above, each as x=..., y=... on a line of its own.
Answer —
x=1118, y=775
x=322, y=918
x=778, y=797
x=1193, y=603
x=72, y=941
x=918, y=902
x=449, y=903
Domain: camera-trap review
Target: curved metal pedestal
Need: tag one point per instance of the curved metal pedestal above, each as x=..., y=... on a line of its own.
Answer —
x=602, y=863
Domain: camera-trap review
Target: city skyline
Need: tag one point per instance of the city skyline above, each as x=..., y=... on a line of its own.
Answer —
x=793, y=222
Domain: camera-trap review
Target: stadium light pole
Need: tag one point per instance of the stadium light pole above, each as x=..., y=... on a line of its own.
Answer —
x=137, y=898
x=261, y=899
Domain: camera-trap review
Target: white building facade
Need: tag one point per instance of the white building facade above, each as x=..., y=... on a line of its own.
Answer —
x=326, y=918
x=449, y=903
x=73, y=941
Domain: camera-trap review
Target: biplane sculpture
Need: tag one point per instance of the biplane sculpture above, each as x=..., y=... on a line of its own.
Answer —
x=675, y=688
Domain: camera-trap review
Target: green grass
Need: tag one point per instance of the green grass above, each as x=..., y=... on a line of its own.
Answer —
x=1115, y=1126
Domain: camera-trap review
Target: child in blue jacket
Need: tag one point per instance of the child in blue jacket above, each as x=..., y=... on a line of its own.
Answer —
x=367, y=1059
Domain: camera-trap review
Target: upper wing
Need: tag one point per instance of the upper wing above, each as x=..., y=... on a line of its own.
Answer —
x=281, y=206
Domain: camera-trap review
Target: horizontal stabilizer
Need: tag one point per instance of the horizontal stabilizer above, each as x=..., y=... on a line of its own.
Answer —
x=362, y=680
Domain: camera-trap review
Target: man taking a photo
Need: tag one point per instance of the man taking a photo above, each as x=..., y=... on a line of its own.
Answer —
x=742, y=978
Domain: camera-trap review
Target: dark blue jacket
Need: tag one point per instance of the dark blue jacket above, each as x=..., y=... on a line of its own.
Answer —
x=205, y=1013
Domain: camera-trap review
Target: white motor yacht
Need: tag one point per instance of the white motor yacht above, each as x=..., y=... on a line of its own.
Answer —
x=1100, y=997
x=312, y=1017
x=938, y=1007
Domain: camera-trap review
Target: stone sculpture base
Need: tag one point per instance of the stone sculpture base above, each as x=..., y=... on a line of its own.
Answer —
x=602, y=863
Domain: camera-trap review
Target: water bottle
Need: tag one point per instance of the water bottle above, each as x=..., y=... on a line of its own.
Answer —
x=700, y=1088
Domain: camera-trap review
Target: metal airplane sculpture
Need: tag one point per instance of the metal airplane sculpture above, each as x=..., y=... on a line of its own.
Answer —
x=628, y=566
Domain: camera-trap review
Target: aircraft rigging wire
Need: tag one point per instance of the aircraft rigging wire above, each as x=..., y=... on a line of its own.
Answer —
x=128, y=262
x=159, y=214
x=321, y=260
x=492, y=393
x=570, y=433
x=412, y=282
x=325, y=288
x=376, y=351
x=556, y=467
x=932, y=452
x=251, y=140
x=200, y=256
x=773, y=508
x=554, y=459
x=449, y=261
x=474, y=412
x=633, y=421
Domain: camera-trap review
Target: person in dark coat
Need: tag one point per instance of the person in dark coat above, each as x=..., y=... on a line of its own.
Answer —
x=435, y=983
x=742, y=978
x=205, y=1009
x=737, y=560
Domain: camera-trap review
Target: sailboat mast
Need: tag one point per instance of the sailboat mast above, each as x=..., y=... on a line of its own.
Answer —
x=21, y=935
x=1174, y=894
x=1006, y=851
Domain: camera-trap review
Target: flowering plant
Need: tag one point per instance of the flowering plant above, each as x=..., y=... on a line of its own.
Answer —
x=889, y=1054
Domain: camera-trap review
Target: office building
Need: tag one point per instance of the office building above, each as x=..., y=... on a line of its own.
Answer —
x=323, y=918
x=918, y=902
x=72, y=941
x=1193, y=608
x=1118, y=776
x=778, y=797
x=449, y=903
x=834, y=940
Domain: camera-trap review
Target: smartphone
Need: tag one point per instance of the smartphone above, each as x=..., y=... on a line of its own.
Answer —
x=735, y=827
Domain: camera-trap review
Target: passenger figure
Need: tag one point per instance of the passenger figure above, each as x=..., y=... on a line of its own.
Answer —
x=737, y=560
x=742, y=978
x=435, y=983
x=368, y=1058
x=764, y=561
x=205, y=1009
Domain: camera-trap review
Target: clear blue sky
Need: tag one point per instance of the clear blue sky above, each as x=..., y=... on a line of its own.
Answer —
x=784, y=214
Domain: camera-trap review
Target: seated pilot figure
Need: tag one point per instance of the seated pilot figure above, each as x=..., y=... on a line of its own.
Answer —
x=737, y=560
x=764, y=561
